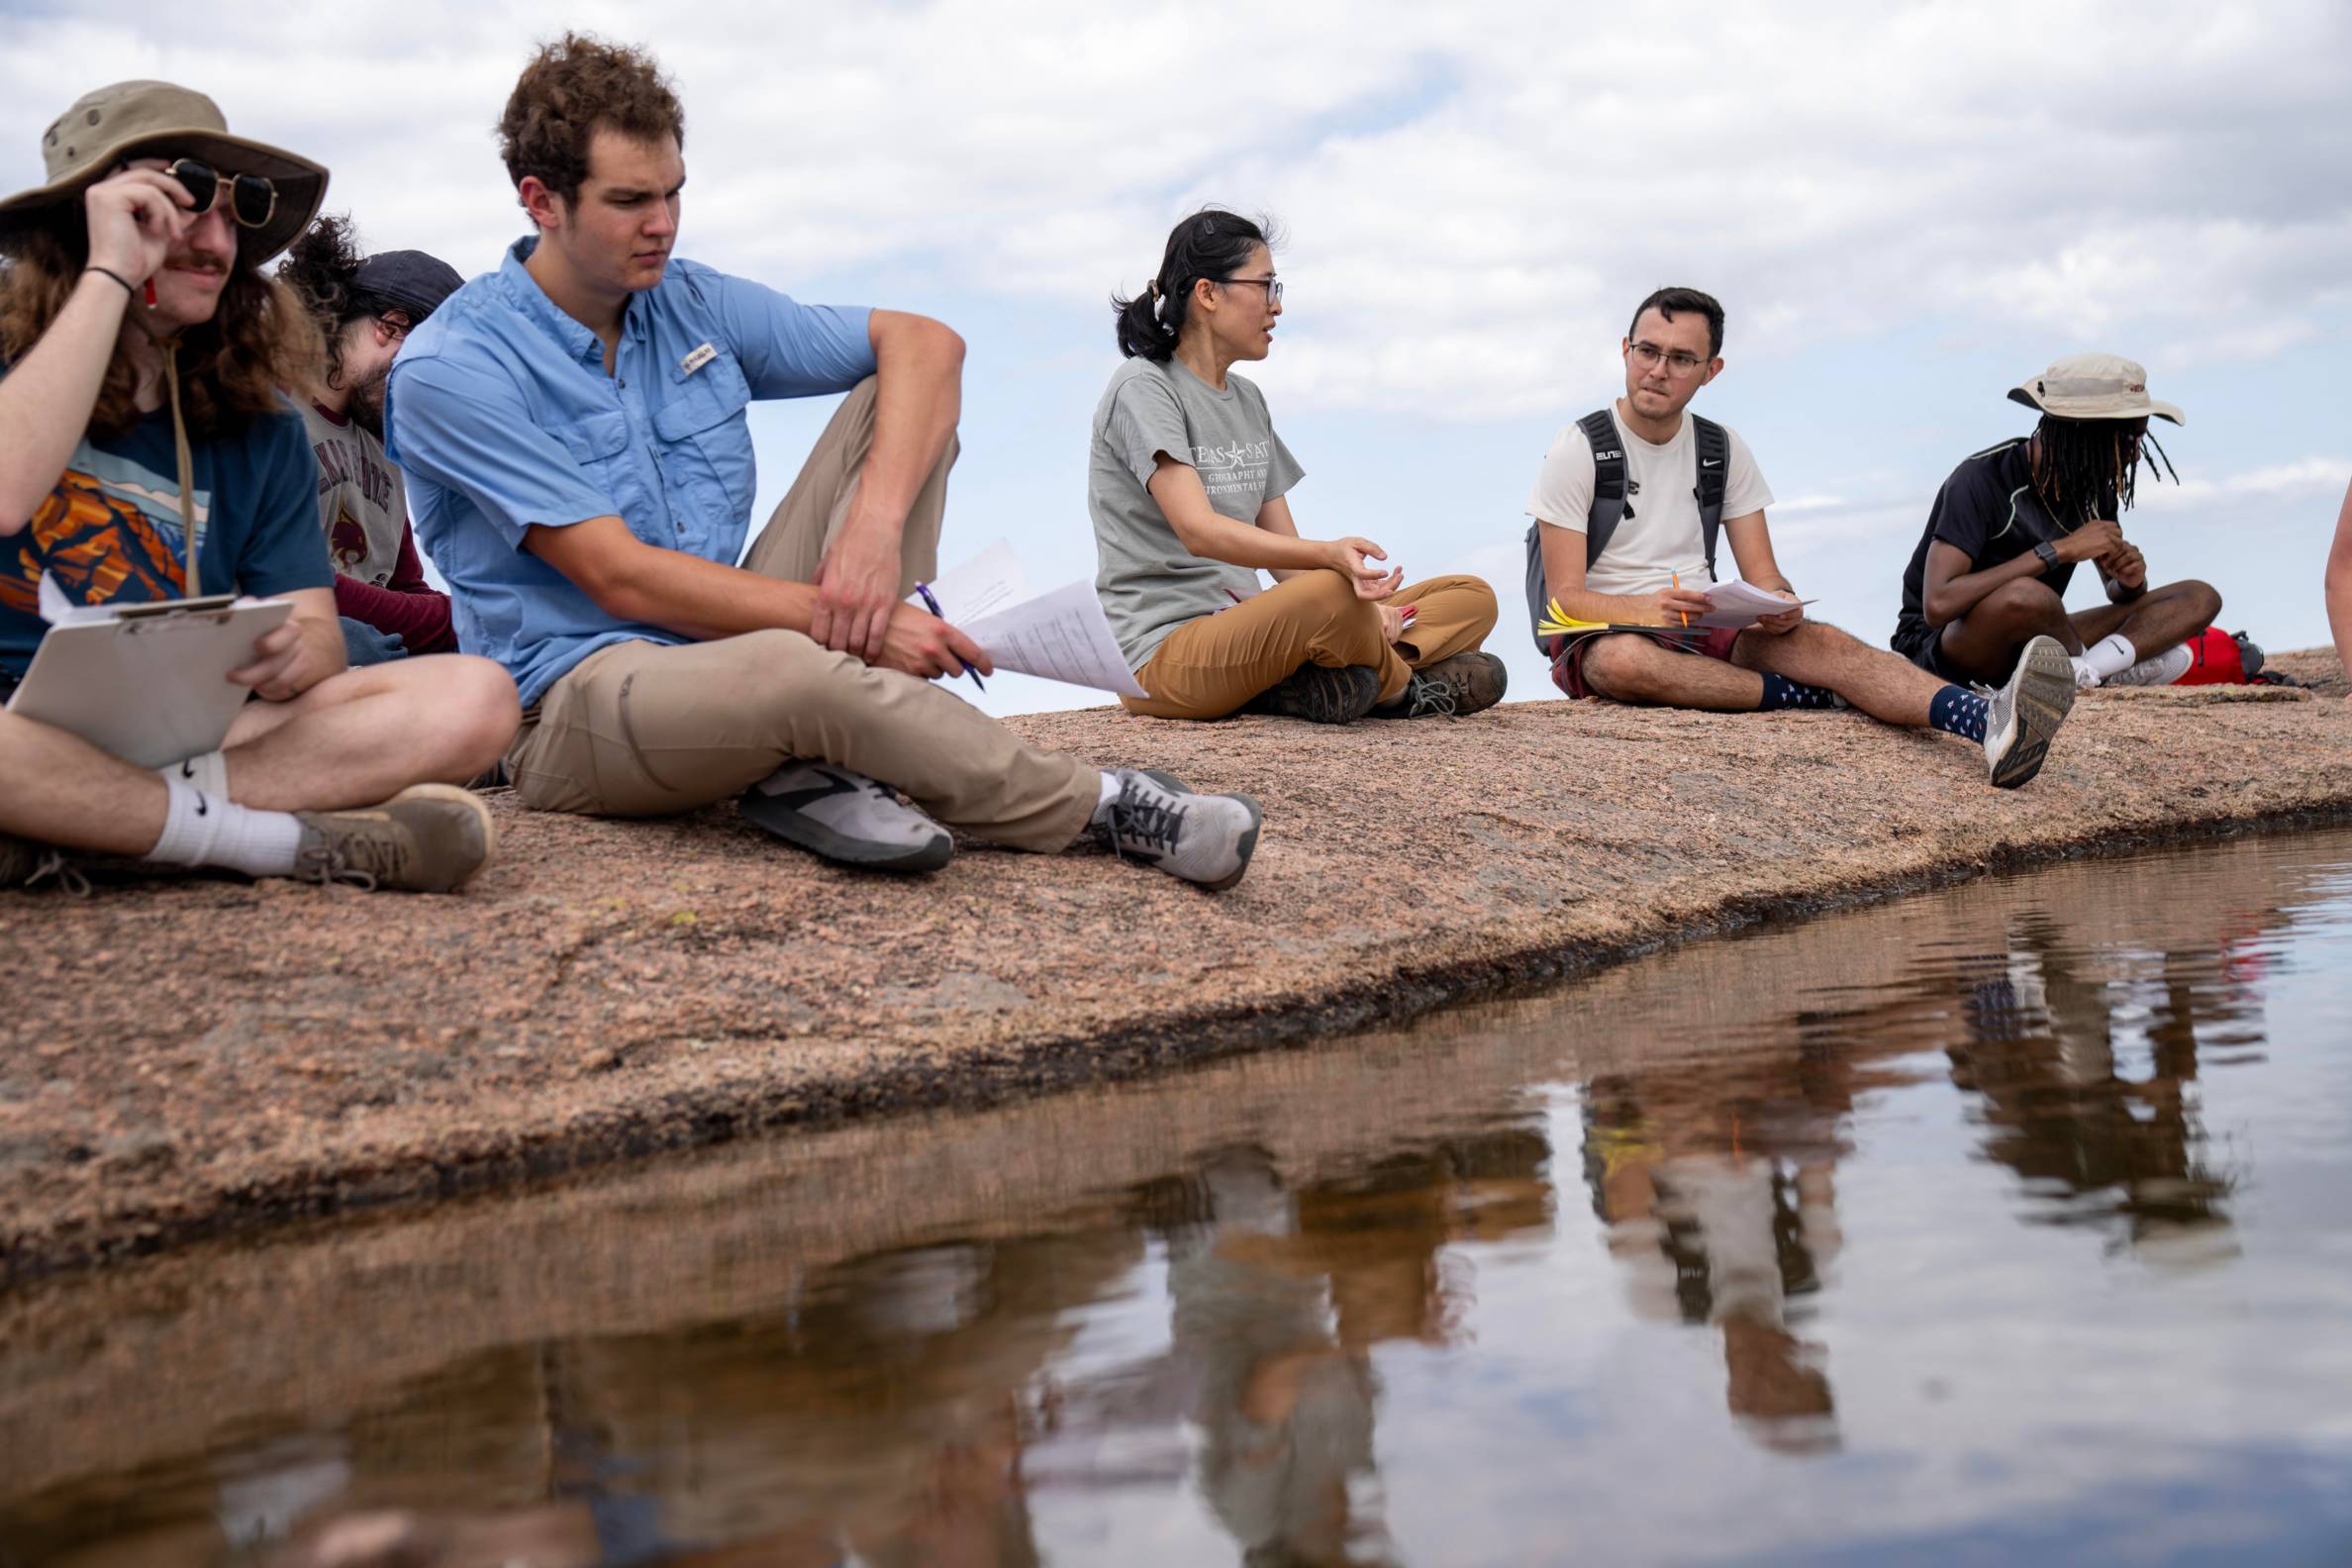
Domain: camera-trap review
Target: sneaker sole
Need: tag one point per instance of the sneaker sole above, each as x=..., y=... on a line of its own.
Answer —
x=2046, y=695
x=1247, y=847
x=481, y=815
x=805, y=832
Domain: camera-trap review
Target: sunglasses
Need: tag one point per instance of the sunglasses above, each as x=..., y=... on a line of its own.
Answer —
x=251, y=199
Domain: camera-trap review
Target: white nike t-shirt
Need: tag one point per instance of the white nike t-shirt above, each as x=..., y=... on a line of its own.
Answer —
x=1659, y=535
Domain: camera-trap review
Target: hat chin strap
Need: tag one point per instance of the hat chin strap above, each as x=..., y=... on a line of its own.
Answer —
x=185, y=459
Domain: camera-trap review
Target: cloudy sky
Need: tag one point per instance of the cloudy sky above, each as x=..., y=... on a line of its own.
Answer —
x=1907, y=209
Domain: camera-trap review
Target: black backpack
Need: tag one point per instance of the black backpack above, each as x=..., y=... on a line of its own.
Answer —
x=1713, y=447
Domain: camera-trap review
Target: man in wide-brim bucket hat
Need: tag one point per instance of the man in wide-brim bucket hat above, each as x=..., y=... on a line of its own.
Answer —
x=148, y=456
x=2012, y=522
x=110, y=126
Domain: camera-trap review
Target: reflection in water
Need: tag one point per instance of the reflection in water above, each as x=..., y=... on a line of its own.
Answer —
x=1327, y=1308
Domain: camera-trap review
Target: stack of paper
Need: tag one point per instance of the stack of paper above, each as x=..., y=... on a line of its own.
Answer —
x=1062, y=636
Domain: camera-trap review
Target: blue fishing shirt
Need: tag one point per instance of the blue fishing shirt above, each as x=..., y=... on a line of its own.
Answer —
x=501, y=416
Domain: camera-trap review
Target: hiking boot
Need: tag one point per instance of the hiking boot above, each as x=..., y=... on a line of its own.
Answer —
x=2023, y=716
x=847, y=818
x=2162, y=670
x=1203, y=838
x=1466, y=683
x=1320, y=695
x=25, y=864
x=427, y=838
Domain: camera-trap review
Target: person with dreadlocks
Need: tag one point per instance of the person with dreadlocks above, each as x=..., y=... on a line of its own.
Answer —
x=365, y=309
x=147, y=455
x=2012, y=522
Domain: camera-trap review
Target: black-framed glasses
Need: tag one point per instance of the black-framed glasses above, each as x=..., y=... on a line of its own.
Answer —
x=1272, y=286
x=251, y=199
x=1681, y=364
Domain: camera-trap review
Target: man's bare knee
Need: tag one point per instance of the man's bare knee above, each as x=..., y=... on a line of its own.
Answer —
x=1625, y=669
x=2020, y=607
x=2203, y=599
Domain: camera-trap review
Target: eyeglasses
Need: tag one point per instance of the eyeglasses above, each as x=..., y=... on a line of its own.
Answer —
x=1272, y=286
x=1682, y=364
x=251, y=199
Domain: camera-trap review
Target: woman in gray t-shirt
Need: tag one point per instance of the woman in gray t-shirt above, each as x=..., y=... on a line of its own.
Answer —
x=1187, y=483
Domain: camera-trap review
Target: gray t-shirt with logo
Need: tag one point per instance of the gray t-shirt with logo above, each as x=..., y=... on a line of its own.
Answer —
x=1148, y=582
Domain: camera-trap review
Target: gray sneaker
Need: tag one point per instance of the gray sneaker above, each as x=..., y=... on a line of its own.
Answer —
x=2161, y=670
x=1203, y=838
x=427, y=838
x=847, y=818
x=2024, y=714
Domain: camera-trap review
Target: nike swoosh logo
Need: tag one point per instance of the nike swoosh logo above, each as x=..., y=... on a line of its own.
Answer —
x=1712, y=463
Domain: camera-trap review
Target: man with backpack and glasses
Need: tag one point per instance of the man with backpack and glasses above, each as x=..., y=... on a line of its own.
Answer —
x=1627, y=512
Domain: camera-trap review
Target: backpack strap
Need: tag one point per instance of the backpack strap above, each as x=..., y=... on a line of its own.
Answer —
x=1713, y=445
x=1608, y=481
x=1600, y=520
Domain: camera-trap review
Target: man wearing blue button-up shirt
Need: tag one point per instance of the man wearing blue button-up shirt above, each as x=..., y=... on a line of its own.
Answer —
x=573, y=431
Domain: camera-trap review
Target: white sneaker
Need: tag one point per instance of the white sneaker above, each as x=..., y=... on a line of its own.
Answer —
x=2162, y=670
x=2086, y=678
x=2023, y=716
x=1204, y=839
x=847, y=818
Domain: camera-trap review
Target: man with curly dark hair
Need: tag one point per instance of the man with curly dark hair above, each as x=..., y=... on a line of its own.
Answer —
x=574, y=436
x=365, y=306
x=147, y=455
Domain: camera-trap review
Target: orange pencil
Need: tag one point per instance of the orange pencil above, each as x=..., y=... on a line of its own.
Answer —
x=1686, y=614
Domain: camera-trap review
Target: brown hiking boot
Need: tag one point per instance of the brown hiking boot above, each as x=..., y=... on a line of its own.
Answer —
x=427, y=838
x=1466, y=683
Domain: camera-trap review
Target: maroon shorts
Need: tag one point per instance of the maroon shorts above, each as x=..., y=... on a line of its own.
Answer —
x=1567, y=663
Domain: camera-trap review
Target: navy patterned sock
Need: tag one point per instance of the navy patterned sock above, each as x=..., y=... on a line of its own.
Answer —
x=1781, y=692
x=1959, y=711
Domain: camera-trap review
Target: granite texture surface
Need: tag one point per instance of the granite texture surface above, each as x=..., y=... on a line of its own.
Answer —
x=192, y=1056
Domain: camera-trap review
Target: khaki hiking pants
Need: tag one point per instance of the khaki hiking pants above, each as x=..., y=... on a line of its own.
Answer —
x=644, y=729
x=1210, y=666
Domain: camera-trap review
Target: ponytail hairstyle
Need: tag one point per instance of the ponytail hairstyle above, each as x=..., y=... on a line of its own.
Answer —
x=1212, y=244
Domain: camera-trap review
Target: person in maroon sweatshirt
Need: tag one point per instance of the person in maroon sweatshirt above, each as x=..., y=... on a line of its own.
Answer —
x=365, y=308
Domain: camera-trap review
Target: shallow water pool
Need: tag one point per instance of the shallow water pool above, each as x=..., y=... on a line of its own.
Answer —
x=2011, y=1223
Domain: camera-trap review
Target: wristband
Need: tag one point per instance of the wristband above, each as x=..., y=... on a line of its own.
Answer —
x=129, y=287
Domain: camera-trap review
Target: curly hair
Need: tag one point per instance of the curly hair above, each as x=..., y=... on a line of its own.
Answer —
x=570, y=89
x=232, y=367
x=319, y=267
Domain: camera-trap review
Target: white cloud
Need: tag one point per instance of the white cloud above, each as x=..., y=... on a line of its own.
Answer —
x=1475, y=195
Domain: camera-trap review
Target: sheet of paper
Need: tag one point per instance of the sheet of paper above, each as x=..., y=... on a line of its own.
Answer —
x=1740, y=603
x=1062, y=636
x=58, y=610
x=980, y=587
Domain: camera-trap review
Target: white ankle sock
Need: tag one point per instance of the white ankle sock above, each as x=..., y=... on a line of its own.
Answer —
x=208, y=773
x=1110, y=793
x=2111, y=655
x=211, y=831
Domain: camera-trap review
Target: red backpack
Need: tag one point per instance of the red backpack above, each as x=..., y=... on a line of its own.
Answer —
x=2219, y=658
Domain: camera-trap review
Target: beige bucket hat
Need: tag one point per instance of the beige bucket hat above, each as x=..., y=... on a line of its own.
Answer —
x=2093, y=386
x=137, y=119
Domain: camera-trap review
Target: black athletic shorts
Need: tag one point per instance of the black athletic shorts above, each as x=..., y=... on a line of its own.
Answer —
x=1929, y=655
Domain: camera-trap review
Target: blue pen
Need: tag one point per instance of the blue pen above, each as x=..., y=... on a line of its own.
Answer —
x=932, y=605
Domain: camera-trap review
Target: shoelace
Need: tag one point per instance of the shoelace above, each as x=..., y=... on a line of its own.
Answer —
x=1146, y=825
x=1431, y=697
x=68, y=875
x=328, y=862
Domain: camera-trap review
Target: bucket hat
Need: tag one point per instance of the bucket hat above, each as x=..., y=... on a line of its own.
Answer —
x=137, y=119
x=2093, y=386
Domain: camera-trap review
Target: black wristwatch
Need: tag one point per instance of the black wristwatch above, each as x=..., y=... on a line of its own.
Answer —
x=2048, y=554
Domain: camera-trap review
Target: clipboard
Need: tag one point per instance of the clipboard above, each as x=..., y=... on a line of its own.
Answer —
x=148, y=683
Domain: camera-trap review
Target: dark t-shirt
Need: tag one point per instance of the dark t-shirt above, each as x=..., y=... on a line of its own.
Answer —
x=110, y=531
x=1986, y=510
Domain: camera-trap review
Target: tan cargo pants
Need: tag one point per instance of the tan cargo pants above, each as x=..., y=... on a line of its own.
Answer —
x=1210, y=666
x=645, y=729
